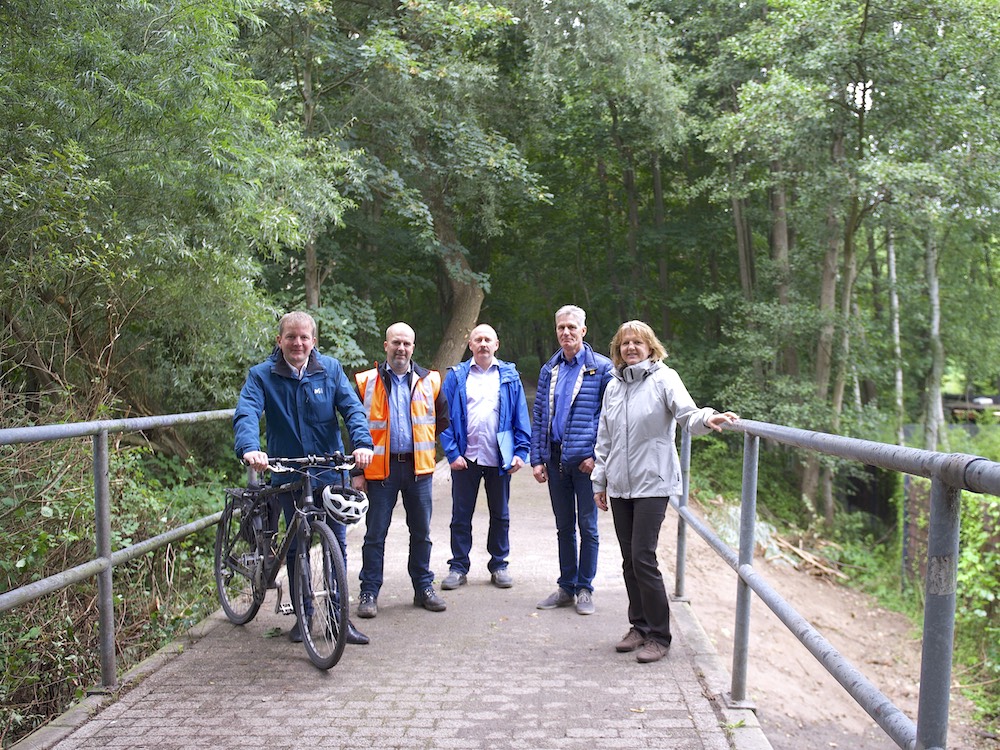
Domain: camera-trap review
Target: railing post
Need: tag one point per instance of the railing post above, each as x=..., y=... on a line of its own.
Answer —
x=939, y=615
x=105, y=593
x=681, y=523
x=748, y=519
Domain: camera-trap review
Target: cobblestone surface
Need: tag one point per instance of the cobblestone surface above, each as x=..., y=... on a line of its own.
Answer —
x=491, y=672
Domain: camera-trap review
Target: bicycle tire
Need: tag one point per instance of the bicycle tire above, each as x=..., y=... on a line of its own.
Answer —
x=321, y=588
x=236, y=562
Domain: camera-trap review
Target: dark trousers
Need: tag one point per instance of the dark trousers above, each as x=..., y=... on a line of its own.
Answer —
x=464, y=493
x=382, y=496
x=637, y=524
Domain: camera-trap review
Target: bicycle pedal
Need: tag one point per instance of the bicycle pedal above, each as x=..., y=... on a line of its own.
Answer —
x=280, y=607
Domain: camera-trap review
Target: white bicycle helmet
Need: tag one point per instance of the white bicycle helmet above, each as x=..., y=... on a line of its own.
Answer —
x=345, y=504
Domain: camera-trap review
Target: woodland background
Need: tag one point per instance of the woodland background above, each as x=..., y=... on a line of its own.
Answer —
x=800, y=196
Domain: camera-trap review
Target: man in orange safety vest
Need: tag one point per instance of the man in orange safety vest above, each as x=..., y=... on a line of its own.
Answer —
x=406, y=410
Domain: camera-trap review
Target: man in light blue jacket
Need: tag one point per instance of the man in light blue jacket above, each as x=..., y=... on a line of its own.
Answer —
x=487, y=440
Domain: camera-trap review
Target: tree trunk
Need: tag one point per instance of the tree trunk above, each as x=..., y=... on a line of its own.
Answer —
x=465, y=294
x=850, y=274
x=824, y=347
x=609, y=246
x=934, y=410
x=780, y=246
x=312, y=283
x=897, y=349
x=662, y=262
x=631, y=190
x=744, y=243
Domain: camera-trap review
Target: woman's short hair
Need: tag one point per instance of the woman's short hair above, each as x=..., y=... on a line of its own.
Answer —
x=644, y=333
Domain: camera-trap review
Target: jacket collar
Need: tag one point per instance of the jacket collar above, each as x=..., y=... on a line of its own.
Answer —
x=586, y=355
x=280, y=367
x=415, y=369
x=638, y=371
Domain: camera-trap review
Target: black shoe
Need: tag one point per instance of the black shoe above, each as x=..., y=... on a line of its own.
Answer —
x=295, y=634
x=355, y=637
x=429, y=600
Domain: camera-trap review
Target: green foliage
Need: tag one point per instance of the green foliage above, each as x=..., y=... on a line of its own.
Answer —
x=868, y=553
x=50, y=645
x=978, y=616
x=140, y=165
x=717, y=469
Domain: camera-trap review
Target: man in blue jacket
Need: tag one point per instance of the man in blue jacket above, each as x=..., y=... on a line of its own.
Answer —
x=563, y=432
x=488, y=439
x=299, y=392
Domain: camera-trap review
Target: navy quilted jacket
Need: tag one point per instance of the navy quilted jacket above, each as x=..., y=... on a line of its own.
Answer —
x=581, y=424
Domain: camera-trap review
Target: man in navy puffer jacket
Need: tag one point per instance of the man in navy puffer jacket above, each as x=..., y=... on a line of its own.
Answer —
x=563, y=432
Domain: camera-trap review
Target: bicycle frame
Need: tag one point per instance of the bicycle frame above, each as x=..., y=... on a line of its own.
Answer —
x=298, y=527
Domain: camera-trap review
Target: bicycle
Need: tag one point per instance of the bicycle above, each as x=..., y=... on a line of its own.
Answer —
x=248, y=554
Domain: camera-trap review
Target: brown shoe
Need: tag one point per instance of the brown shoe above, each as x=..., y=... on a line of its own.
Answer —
x=632, y=640
x=651, y=651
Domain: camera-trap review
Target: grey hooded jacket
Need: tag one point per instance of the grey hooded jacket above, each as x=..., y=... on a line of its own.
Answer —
x=636, y=454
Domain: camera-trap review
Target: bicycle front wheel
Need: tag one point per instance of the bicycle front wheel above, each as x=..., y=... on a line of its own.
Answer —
x=321, y=596
x=237, y=562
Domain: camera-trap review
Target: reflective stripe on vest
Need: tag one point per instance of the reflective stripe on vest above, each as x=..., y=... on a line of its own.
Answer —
x=423, y=419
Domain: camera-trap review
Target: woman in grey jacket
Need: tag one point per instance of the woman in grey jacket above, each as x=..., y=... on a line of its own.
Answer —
x=637, y=466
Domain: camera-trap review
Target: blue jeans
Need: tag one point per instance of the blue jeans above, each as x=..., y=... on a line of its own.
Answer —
x=572, y=496
x=637, y=525
x=382, y=496
x=464, y=492
x=339, y=530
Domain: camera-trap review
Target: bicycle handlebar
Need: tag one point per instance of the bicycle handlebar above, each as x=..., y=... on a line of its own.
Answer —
x=336, y=461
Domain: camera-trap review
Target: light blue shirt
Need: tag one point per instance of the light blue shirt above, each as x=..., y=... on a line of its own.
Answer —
x=566, y=378
x=482, y=393
x=400, y=426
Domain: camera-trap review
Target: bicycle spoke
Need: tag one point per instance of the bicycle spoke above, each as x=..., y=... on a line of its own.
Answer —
x=236, y=562
x=321, y=595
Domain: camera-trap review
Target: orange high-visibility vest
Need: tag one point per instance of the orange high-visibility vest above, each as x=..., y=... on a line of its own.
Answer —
x=423, y=419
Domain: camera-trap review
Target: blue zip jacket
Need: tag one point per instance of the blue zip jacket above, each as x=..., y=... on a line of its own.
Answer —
x=513, y=426
x=300, y=415
x=584, y=415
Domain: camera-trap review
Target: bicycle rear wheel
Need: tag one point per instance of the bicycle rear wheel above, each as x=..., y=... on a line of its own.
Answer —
x=321, y=597
x=237, y=564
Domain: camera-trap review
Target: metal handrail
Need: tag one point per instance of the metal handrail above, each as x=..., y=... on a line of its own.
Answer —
x=950, y=473
x=103, y=565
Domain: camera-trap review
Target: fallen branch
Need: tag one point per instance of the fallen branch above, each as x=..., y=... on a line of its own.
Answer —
x=809, y=558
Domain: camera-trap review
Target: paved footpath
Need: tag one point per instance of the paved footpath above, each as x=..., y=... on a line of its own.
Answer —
x=491, y=672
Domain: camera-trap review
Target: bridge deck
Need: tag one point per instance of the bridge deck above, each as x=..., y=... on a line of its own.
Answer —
x=491, y=672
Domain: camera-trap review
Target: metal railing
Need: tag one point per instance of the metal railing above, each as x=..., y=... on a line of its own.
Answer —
x=950, y=473
x=106, y=560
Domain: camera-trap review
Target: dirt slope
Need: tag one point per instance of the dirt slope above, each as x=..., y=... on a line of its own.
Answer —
x=818, y=713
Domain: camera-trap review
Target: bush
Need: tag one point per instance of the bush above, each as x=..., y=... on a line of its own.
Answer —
x=50, y=646
x=717, y=469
